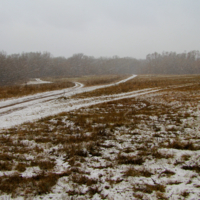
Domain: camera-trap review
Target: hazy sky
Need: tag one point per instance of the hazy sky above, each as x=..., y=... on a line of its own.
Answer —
x=99, y=27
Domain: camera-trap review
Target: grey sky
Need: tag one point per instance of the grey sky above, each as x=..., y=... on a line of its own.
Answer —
x=99, y=27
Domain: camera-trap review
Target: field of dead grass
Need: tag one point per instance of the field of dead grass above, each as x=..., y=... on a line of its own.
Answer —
x=23, y=90
x=98, y=79
x=143, y=82
x=145, y=147
x=57, y=84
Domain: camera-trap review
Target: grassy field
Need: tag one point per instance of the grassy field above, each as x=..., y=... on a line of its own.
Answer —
x=23, y=90
x=145, y=81
x=145, y=147
x=57, y=84
x=98, y=79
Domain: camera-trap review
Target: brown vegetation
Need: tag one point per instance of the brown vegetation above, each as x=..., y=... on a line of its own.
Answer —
x=147, y=81
x=23, y=90
x=21, y=67
x=135, y=149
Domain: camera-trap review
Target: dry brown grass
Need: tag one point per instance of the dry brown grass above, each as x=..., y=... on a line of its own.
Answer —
x=167, y=173
x=97, y=79
x=23, y=90
x=101, y=79
x=147, y=188
x=161, y=196
x=6, y=166
x=106, y=138
x=184, y=145
x=194, y=167
x=185, y=193
x=39, y=184
x=128, y=159
x=131, y=171
x=82, y=179
x=146, y=81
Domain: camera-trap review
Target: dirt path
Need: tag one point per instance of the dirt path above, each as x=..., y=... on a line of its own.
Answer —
x=32, y=98
x=20, y=110
x=53, y=104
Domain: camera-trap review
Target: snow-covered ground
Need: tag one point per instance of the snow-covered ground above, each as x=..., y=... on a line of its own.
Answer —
x=37, y=81
x=33, y=107
x=143, y=144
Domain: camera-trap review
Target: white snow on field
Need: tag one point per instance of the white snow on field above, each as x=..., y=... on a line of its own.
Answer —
x=44, y=109
x=30, y=108
x=37, y=81
x=33, y=107
x=36, y=98
x=142, y=139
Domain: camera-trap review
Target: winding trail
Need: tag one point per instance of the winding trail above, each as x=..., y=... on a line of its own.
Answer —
x=41, y=96
x=31, y=108
x=12, y=105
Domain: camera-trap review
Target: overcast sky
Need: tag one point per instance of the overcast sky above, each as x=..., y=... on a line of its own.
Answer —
x=97, y=28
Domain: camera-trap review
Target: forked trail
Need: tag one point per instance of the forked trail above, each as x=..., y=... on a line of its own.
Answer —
x=30, y=108
x=20, y=110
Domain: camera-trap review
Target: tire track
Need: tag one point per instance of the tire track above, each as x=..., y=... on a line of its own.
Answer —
x=18, y=111
x=35, y=100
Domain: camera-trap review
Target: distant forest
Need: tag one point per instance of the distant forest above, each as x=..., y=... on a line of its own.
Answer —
x=17, y=68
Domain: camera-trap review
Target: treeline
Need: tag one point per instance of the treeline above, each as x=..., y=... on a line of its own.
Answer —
x=172, y=63
x=21, y=67
x=17, y=68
